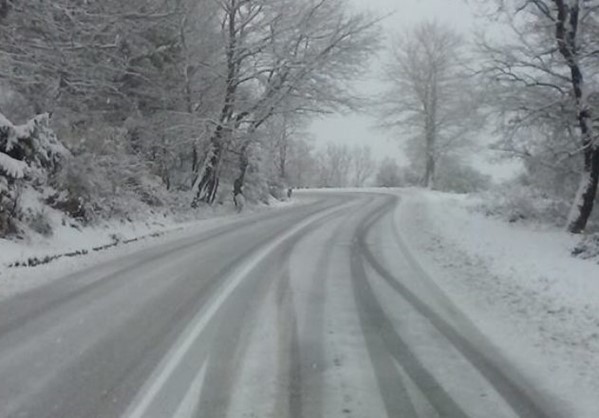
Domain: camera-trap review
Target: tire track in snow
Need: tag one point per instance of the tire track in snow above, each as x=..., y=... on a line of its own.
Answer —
x=234, y=323
x=237, y=318
x=289, y=396
x=38, y=302
x=375, y=326
x=303, y=364
x=512, y=393
x=312, y=351
x=188, y=296
x=165, y=371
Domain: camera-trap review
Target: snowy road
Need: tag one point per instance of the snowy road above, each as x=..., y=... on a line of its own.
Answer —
x=312, y=311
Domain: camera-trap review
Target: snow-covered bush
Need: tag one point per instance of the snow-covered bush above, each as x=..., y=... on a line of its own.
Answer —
x=257, y=181
x=256, y=186
x=588, y=248
x=517, y=202
x=8, y=206
x=455, y=176
x=277, y=189
x=29, y=155
x=388, y=174
x=93, y=187
x=31, y=149
x=38, y=221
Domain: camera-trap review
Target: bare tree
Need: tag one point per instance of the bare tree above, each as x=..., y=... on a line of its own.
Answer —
x=337, y=162
x=184, y=93
x=301, y=164
x=281, y=131
x=89, y=55
x=545, y=85
x=282, y=56
x=428, y=97
x=363, y=165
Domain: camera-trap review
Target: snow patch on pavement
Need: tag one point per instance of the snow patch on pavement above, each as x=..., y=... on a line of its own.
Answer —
x=519, y=284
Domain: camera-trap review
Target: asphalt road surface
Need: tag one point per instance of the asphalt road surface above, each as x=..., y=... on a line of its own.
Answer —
x=315, y=310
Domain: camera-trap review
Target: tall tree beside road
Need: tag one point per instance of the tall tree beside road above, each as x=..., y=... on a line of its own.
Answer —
x=429, y=98
x=545, y=83
x=282, y=56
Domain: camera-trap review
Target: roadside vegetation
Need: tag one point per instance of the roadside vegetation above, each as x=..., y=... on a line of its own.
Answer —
x=528, y=80
x=160, y=106
x=123, y=110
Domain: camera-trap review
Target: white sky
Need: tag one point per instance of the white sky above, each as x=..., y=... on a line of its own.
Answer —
x=361, y=129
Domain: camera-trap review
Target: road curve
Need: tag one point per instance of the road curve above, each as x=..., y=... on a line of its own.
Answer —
x=316, y=310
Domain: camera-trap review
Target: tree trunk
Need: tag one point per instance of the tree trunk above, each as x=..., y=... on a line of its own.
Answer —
x=167, y=179
x=587, y=192
x=244, y=162
x=194, y=165
x=207, y=186
x=429, y=176
x=430, y=164
x=430, y=130
x=283, y=164
x=283, y=145
x=566, y=34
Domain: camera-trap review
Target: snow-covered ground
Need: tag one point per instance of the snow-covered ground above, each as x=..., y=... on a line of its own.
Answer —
x=520, y=286
x=71, y=247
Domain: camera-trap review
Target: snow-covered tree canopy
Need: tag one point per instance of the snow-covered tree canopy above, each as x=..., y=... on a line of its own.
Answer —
x=29, y=155
x=26, y=148
x=291, y=56
x=545, y=84
x=430, y=98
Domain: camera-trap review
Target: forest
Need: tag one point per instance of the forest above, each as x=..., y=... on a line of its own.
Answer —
x=112, y=109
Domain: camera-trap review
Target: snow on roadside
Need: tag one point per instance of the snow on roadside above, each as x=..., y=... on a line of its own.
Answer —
x=129, y=237
x=519, y=284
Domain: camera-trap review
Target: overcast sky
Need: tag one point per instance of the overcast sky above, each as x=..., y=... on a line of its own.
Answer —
x=361, y=129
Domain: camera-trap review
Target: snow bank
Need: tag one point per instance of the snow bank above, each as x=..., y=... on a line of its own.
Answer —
x=520, y=285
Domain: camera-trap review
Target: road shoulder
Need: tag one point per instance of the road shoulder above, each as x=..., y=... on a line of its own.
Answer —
x=519, y=286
